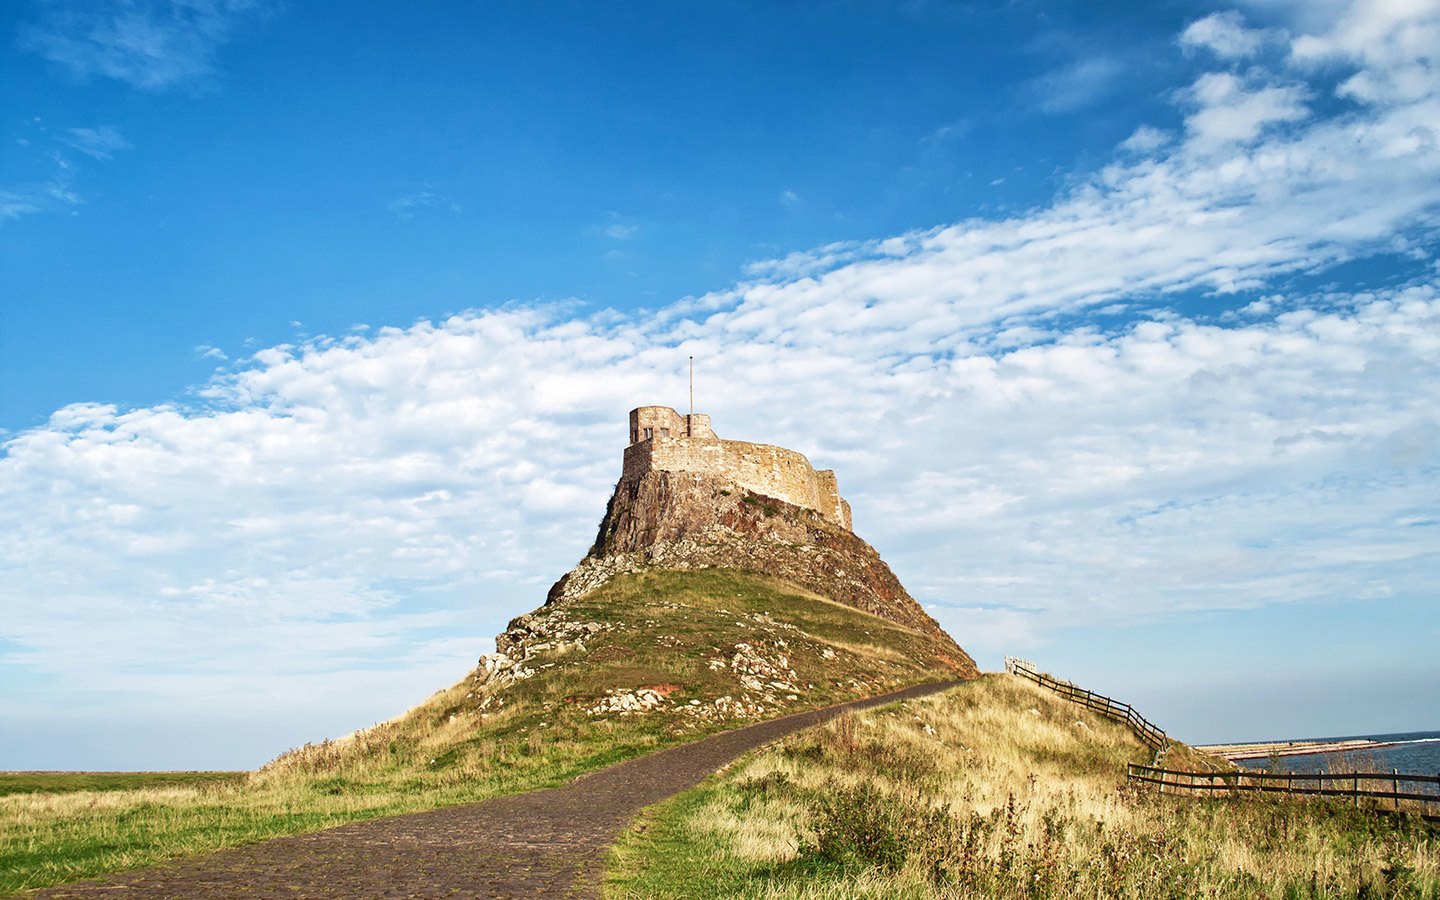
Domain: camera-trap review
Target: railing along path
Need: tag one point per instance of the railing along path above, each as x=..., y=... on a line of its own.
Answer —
x=1378, y=787
x=1148, y=732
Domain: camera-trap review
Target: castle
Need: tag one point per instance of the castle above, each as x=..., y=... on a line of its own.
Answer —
x=662, y=440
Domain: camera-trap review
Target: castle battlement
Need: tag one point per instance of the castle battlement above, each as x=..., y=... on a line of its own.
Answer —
x=662, y=440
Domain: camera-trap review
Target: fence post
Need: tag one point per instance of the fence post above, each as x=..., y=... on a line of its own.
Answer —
x=1395, y=787
x=1355, y=787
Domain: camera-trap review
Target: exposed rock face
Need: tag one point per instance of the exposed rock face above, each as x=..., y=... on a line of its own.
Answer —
x=691, y=520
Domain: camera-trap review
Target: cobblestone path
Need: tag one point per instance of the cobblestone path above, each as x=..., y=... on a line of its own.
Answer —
x=548, y=843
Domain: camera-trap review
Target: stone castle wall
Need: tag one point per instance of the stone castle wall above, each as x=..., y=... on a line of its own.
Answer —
x=664, y=441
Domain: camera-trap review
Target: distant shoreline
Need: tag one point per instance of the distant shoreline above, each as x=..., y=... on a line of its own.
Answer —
x=1266, y=749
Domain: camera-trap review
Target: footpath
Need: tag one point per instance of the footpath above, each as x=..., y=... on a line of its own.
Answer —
x=549, y=843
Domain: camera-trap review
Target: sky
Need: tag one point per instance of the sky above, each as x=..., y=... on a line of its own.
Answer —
x=1119, y=323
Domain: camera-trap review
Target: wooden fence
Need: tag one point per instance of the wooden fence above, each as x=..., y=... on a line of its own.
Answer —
x=1378, y=789
x=1144, y=729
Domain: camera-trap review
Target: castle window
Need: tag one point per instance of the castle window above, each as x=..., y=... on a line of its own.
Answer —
x=664, y=432
x=649, y=433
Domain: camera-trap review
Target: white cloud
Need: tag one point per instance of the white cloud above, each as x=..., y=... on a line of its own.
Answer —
x=364, y=509
x=1228, y=110
x=1309, y=16
x=615, y=227
x=1078, y=84
x=789, y=199
x=1225, y=35
x=58, y=193
x=98, y=143
x=14, y=204
x=1146, y=139
x=425, y=198
x=1391, y=43
x=54, y=195
x=150, y=44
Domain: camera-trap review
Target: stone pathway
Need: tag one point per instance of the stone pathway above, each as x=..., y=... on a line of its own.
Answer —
x=547, y=843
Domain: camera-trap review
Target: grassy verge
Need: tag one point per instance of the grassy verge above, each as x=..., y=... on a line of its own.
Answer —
x=676, y=634
x=996, y=789
x=70, y=782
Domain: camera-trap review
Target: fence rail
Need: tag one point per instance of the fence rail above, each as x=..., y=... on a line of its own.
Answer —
x=1378, y=787
x=1148, y=732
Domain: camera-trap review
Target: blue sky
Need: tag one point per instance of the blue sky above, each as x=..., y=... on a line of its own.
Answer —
x=1117, y=321
x=331, y=169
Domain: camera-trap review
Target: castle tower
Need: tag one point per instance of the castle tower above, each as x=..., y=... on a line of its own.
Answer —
x=663, y=440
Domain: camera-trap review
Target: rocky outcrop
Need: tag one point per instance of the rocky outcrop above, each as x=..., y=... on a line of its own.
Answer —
x=690, y=520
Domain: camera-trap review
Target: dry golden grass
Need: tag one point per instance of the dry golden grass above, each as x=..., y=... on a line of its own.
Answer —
x=998, y=789
x=455, y=748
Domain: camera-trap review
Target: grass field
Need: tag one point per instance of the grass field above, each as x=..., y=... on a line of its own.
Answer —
x=468, y=742
x=70, y=782
x=998, y=789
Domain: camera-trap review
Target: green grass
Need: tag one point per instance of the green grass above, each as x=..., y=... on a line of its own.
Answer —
x=69, y=782
x=463, y=744
x=996, y=789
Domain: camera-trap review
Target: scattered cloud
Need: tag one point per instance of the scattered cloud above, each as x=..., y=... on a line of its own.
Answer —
x=14, y=205
x=1146, y=139
x=1226, y=35
x=54, y=195
x=149, y=44
x=205, y=351
x=58, y=191
x=789, y=199
x=1308, y=16
x=1077, y=85
x=1229, y=108
x=363, y=510
x=616, y=227
x=98, y=143
x=425, y=199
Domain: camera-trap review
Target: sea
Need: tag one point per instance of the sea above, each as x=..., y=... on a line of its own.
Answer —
x=1412, y=753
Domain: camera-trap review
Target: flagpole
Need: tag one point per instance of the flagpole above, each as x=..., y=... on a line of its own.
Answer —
x=692, y=385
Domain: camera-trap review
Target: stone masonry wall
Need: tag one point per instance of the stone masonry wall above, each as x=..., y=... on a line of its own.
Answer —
x=772, y=471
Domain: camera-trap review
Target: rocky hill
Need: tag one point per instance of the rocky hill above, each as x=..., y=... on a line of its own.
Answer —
x=689, y=520
x=702, y=604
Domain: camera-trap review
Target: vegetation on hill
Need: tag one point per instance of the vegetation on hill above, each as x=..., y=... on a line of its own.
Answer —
x=647, y=660
x=69, y=782
x=999, y=789
x=691, y=520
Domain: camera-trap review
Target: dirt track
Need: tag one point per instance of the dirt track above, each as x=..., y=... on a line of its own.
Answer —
x=547, y=843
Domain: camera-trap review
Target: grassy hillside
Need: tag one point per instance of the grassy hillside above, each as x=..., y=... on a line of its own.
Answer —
x=999, y=789
x=70, y=782
x=649, y=660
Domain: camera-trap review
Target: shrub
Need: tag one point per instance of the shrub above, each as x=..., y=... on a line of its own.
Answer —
x=865, y=827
